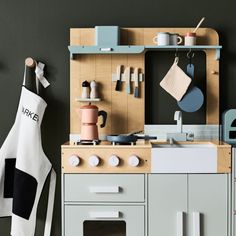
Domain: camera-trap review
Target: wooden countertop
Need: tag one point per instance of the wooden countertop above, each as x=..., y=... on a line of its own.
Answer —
x=106, y=144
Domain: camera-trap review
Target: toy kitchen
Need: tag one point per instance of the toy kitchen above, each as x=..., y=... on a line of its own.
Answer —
x=125, y=174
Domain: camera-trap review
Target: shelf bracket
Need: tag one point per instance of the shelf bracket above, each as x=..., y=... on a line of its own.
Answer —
x=72, y=56
x=217, y=54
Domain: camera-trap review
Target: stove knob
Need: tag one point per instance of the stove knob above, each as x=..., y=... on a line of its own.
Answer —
x=114, y=160
x=94, y=160
x=74, y=160
x=133, y=160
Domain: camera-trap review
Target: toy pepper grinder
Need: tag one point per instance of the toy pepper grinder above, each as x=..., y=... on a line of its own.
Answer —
x=85, y=89
x=94, y=92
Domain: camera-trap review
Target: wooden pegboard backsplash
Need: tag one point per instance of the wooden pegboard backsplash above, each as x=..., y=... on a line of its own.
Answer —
x=125, y=112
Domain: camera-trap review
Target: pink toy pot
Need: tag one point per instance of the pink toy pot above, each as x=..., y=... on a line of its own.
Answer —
x=89, y=118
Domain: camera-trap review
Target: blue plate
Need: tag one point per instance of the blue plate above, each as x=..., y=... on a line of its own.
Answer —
x=192, y=100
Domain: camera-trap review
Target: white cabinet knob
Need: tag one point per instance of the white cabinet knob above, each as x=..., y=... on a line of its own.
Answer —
x=133, y=161
x=74, y=160
x=114, y=160
x=93, y=160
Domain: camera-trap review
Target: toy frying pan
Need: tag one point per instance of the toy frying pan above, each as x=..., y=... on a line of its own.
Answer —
x=193, y=99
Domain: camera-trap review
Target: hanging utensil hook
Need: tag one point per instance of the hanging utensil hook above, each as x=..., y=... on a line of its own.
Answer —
x=176, y=52
x=190, y=54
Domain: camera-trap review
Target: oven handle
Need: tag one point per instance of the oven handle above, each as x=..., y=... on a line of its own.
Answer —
x=104, y=214
x=104, y=189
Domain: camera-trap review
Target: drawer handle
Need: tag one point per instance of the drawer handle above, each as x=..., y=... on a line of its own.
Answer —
x=180, y=223
x=111, y=189
x=104, y=214
x=196, y=224
x=106, y=49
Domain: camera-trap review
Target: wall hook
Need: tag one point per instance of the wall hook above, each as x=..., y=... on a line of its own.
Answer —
x=30, y=62
x=176, y=52
x=190, y=54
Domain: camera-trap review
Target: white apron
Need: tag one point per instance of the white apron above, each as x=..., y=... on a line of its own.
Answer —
x=24, y=168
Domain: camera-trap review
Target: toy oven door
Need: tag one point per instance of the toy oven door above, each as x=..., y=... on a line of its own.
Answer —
x=100, y=220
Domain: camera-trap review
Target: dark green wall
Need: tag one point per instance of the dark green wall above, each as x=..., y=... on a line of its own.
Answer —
x=41, y=29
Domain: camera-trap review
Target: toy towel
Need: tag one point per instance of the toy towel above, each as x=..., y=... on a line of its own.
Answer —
x=176, y=82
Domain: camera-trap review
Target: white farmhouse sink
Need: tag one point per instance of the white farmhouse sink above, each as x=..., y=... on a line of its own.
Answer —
x=190, y=145
x=185, y=157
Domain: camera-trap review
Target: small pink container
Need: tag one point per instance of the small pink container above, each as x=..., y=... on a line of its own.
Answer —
x=190, y=39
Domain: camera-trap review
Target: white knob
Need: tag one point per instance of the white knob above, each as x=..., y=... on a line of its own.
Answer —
x=133, y=161
x=114, y=160
x=93, y=160
x=74, y=160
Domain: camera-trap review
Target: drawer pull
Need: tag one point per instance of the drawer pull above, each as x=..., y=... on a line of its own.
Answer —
x=106, y=49
x=111, y=189
x=180, y=223
x=104, y=214
x=196, y=224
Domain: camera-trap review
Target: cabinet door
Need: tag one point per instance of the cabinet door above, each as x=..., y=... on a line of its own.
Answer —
x=167, y=195
x=207, y=195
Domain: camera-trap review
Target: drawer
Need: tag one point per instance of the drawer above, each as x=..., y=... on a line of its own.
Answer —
x=104, y=220
x=104, y=187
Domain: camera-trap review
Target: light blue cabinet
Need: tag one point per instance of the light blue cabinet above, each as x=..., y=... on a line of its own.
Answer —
x=194, y=204
x=233, y=181
x=208, y=197
x=167, y=197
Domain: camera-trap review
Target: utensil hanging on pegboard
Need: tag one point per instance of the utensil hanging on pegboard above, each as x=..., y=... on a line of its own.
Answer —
x=193, y=99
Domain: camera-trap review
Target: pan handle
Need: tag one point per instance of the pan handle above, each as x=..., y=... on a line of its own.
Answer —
x=146, y=137
x=104, y=117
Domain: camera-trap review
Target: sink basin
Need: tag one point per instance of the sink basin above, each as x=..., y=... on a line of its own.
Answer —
x=189, y=145
x=190, y=157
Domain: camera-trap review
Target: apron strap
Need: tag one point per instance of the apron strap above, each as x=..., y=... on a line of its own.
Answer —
x=51, y=197
x=39, y=71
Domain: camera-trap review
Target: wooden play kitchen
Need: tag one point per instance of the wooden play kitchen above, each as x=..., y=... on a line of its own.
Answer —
x=146, y=187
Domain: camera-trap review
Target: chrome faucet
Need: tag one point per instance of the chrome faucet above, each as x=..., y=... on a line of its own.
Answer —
x=178, y=118
x=179, y=136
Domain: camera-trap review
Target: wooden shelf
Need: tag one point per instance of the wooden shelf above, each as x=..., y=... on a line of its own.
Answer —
x=76, y=50
x=88, y=99
x=195, y=47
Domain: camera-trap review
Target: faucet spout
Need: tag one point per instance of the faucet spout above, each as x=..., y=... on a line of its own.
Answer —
x=179, y=135
x=178, y=118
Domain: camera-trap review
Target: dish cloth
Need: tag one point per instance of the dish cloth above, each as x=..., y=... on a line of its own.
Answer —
x=176, y=82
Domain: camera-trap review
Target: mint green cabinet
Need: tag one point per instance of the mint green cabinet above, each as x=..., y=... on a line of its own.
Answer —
x=167, y=197
x=194, y=204
x=207, y=208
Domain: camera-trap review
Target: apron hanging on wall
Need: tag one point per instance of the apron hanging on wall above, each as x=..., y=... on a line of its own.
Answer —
x=24, y=168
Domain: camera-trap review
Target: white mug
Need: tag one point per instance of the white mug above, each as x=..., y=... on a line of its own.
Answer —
x=175, y=39
x=162, y=39
x=190, y=39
